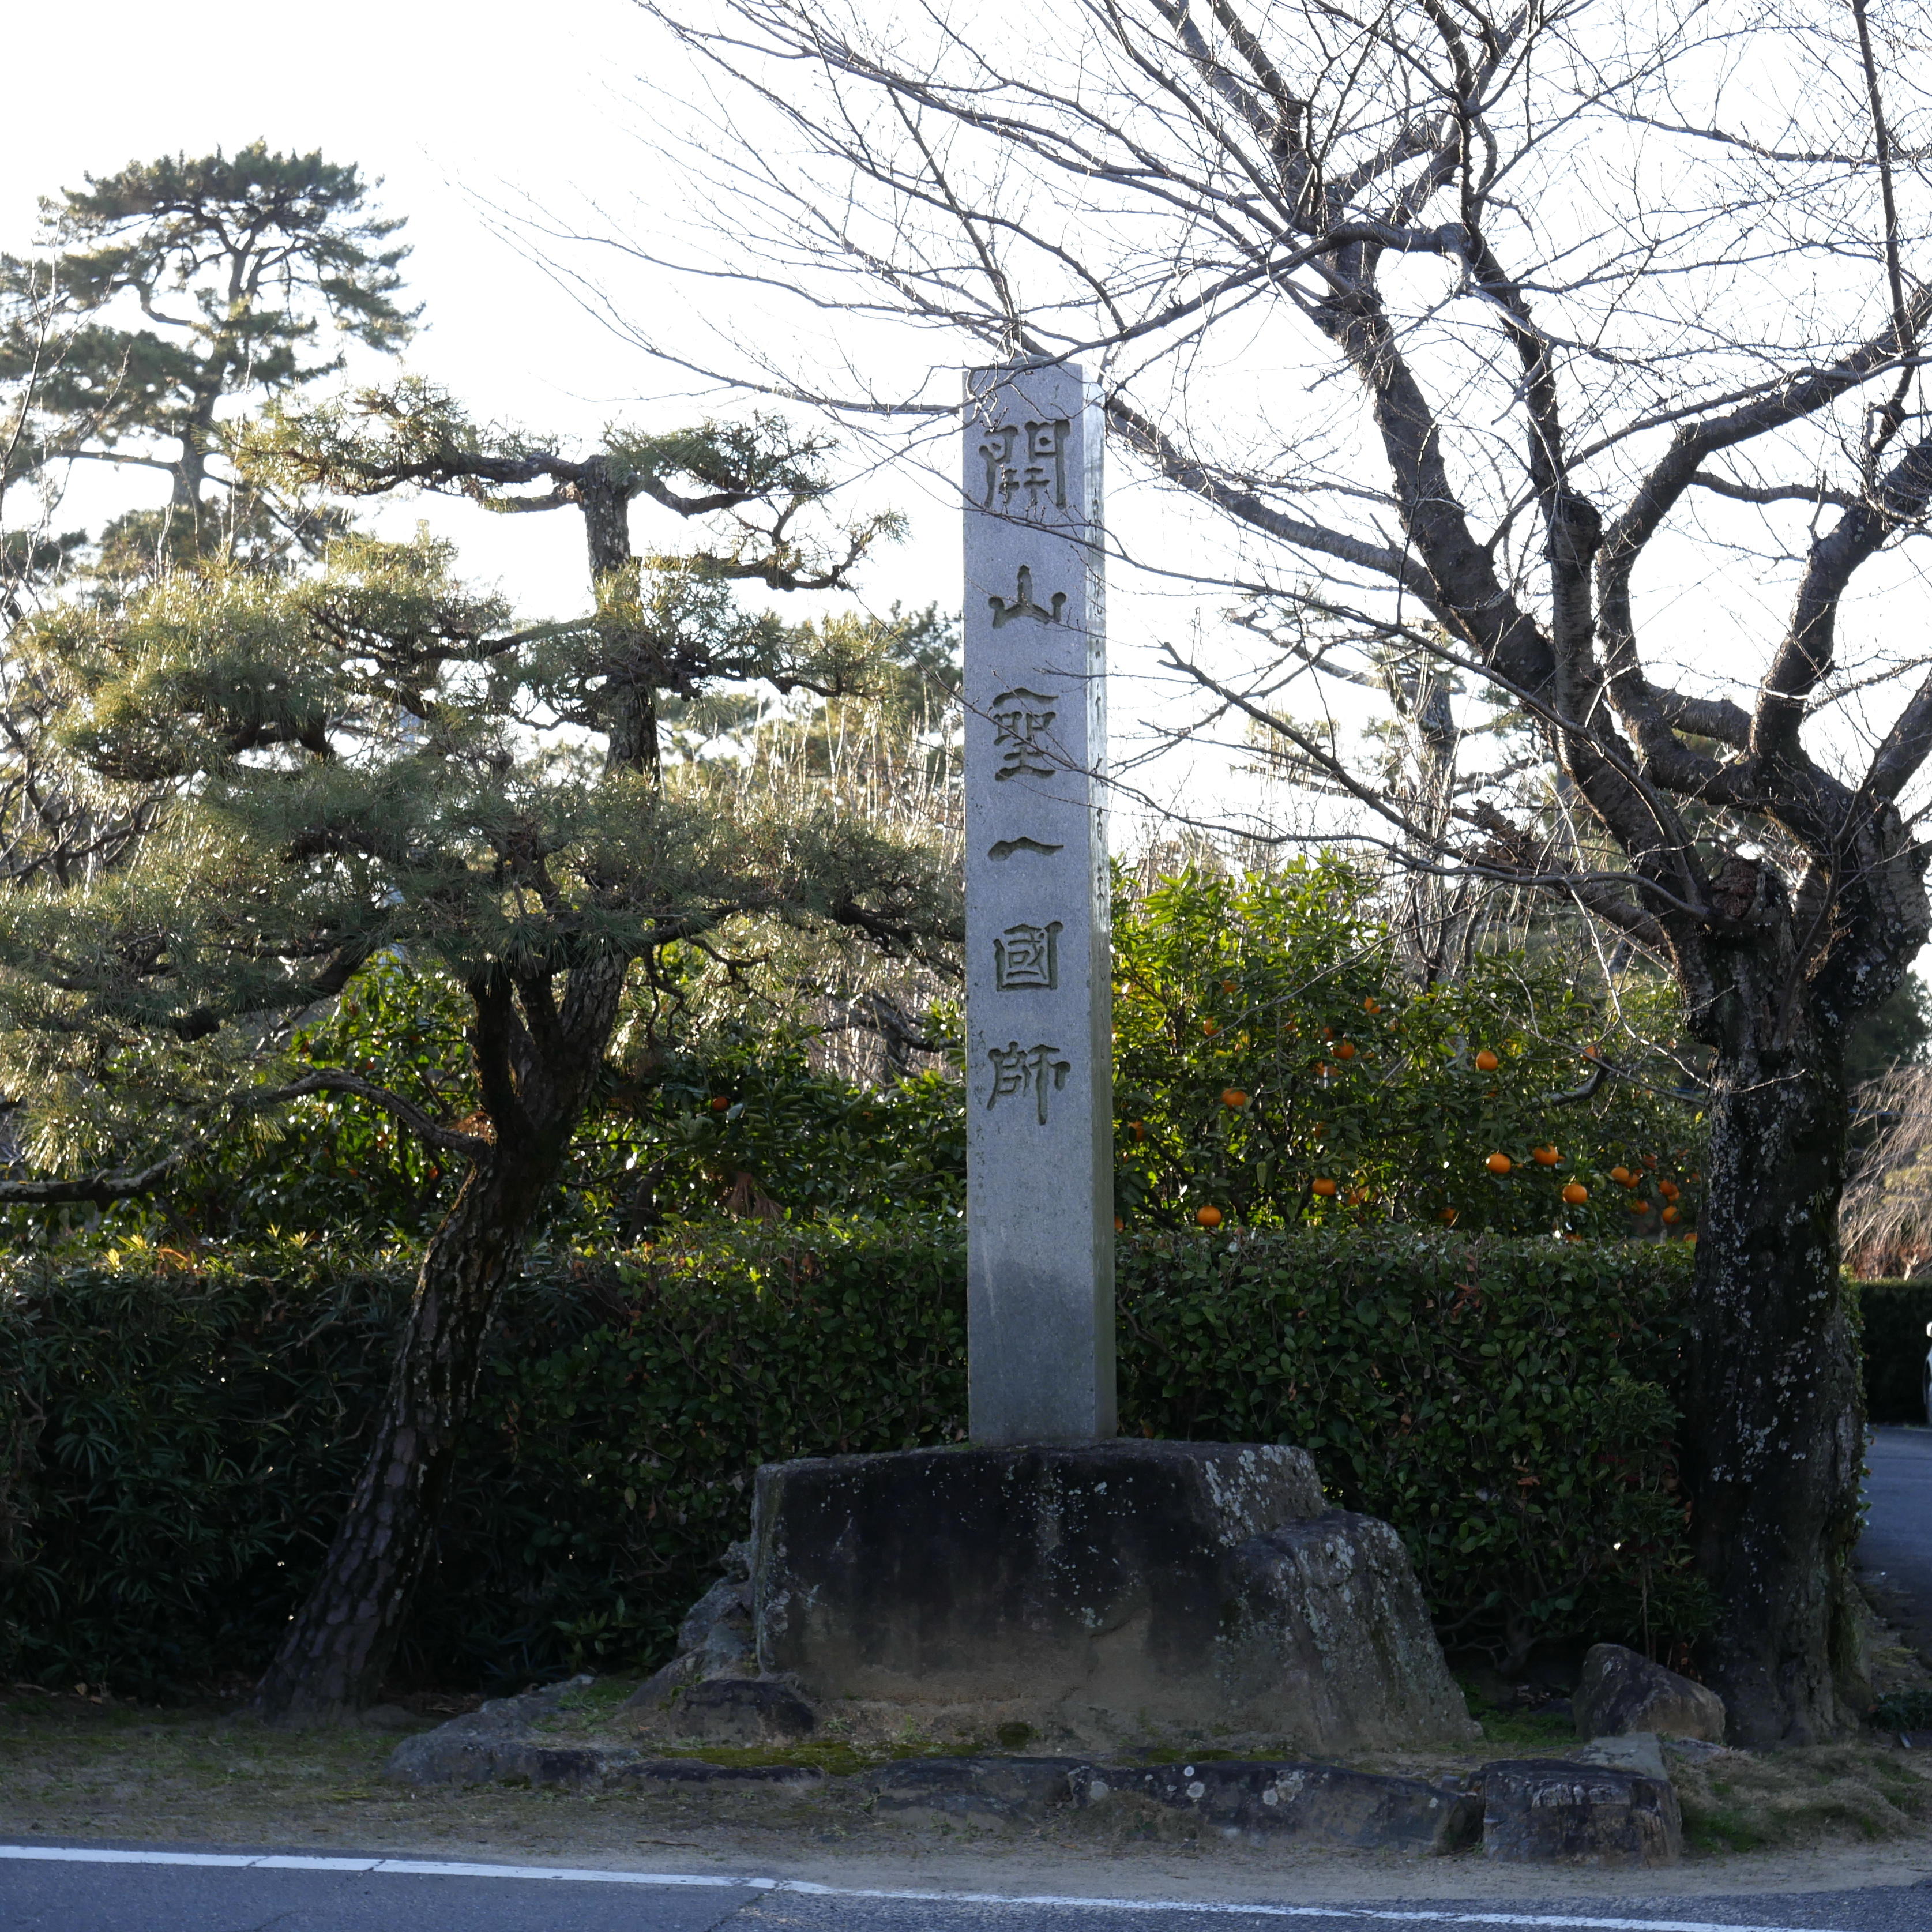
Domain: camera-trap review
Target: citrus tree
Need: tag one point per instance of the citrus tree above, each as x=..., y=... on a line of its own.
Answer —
x=1272, y=1066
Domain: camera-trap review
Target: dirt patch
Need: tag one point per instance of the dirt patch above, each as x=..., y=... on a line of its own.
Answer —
x=74, y=1770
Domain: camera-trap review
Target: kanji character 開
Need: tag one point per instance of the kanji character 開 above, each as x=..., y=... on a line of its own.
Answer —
x=1030, y=457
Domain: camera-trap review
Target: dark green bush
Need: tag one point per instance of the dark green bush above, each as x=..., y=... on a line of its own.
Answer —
x=1895, y=1315
x=181, y=1435
x=1503, y=1403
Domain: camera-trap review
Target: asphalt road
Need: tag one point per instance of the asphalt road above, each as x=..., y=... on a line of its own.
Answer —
x=1896, y=1550
x=44, y=1888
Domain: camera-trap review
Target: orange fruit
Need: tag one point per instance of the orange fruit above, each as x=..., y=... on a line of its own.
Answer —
x=1576, y=1194
x=1233, y=1096
x=1372, y=1005
x=1208, y=1217
x=1119, y=1225
x=1227, y=986
x=1487, y=1061
x=1649, y=1161
x=1449, y=1214
x=1672, y=1214
x=1321, y=1069
x=1545, y=1156
x=1346, y=1051
x=1692, y=1238
x=720, y=1103
x=1209, y=1027
x=1639, y=1207
x=1324, y=1188
x=1623, y=1177
x=1138, y=1129
x=1499, y=1163
x=1668, y=1188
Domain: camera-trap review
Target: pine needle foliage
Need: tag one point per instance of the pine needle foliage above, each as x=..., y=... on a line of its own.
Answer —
x=164, y=296
x=370, y=762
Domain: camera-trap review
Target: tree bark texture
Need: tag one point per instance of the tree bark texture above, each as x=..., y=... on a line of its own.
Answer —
x=536, y=1062
x=1774, y=1425
x=340, y=1642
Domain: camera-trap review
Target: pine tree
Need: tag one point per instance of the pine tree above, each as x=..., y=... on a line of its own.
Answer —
x=165, y=294
x=369, y=758
x=166, y=302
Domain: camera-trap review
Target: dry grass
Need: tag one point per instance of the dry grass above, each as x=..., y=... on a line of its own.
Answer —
x=1744, y=1801
x=71, y=1769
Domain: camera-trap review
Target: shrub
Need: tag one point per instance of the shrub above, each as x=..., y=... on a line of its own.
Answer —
x=1503, y=1403
x=182, y=1434
x=1895, y=1313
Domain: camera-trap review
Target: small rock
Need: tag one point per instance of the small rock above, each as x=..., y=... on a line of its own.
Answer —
x=1544, y=1811
x=687, y=1771
x=726, y=1605
x=1319, y=1804
x=973, y=1787
x=387, y=1717
x=1622, y=1691
x=1639, y=1751
x=715, y=1639
x=1696, y=1750
x=486, y=1744
x=663, y=1684
x=743, y=1710
x=560, y=1767
x=446, y=1756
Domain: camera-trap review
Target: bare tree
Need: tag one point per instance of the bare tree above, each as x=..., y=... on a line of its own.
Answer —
x=1886, y=1222
x=1497, y=327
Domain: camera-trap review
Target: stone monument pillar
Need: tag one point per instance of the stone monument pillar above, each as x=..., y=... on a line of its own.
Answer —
x=1040, y=1158
x=1054, y=1577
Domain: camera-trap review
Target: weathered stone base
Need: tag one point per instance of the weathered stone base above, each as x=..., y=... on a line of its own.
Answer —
x=1543, y=1812
x=1311, y=1803
x=1117, y=1593
x=1532, y=1811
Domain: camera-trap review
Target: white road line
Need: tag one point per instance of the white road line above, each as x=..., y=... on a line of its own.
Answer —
x=1462, y=1915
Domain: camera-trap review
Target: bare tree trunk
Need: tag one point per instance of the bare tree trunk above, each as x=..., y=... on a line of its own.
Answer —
x=340, y=1642
x=1774, y=1436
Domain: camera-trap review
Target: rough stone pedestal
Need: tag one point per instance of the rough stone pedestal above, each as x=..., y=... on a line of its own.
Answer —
x=1124, y=1591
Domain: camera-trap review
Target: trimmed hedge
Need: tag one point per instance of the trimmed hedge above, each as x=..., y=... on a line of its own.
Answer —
x=1895, y=1316
x=180, y=1436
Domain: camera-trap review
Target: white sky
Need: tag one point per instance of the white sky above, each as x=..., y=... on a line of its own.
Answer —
x=438, y=100
x=452, y=107
x=455, y=107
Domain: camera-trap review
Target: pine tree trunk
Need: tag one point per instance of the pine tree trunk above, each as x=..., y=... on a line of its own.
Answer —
x=1774, y=1428
x=339, y=1643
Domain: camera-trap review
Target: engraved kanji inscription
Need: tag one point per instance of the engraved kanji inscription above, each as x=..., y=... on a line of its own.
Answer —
x=1021, y=719
x=1022, y=605
x=1019, y=1071
x=1026, y=958
x=1025, y=460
